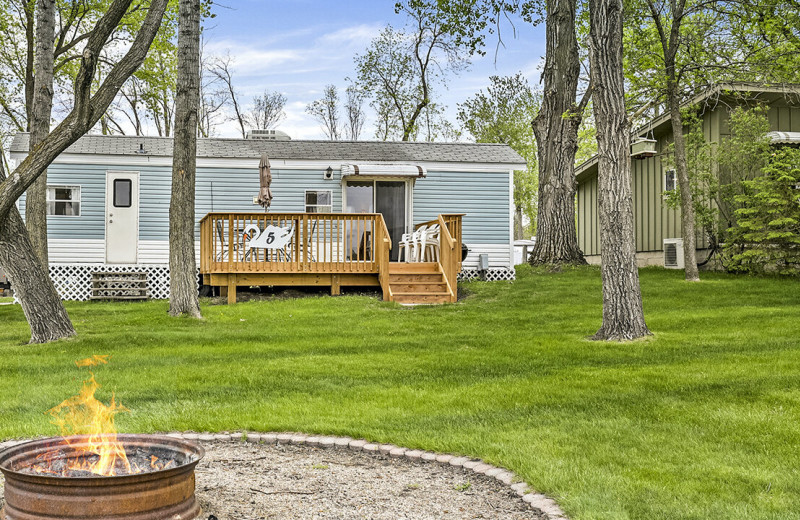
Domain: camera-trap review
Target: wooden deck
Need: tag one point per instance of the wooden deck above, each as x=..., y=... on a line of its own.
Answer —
x=326, y=249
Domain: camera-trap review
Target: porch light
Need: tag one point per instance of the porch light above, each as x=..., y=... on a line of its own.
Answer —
x=328, y=173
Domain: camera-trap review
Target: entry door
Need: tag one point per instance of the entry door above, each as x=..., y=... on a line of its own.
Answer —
x=122, y=217
x=385, y=197
x=390, y=200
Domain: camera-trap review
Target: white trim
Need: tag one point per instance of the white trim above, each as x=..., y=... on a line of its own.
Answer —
x=252, y=164
x=511, y=210
x=409, y=196
x=306, y=204
x=62, y=186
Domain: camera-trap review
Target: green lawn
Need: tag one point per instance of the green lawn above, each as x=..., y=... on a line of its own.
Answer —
x=700, y=421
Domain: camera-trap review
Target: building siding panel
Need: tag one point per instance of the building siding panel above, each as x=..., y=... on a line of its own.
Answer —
x=483, y=197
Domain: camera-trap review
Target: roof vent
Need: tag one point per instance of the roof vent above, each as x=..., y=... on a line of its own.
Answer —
x=268, y=135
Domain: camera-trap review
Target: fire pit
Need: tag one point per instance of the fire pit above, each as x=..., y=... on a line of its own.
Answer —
x=156, y=482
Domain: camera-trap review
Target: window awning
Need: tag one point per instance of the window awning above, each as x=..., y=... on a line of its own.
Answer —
x=784, y=137
x=383, y=170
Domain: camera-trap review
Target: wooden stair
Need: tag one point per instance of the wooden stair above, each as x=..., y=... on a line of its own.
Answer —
x=119, y=286
x=418, y=283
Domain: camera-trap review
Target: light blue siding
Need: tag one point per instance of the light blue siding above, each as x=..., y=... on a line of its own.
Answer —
x=483, y=197
x=233, y=190
x=91, y=222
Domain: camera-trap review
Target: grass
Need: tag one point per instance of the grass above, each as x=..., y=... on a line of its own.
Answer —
x=698, y=422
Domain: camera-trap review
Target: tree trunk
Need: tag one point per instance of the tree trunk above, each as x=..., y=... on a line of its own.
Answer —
x=556, y=129
x=682, y=173
x=623, y=316
x=183, y=297
x=519, y=228
x=40, y=302
x=36, y=199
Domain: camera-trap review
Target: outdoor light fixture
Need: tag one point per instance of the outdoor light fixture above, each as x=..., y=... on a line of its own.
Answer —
x=328, y=174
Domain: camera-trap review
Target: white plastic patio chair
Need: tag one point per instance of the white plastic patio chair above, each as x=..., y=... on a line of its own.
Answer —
x=429, y=244
x=409, y=245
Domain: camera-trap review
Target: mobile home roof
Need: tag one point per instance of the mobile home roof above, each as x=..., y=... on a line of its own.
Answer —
x=364, y=151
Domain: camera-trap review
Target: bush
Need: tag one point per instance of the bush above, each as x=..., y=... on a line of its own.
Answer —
x=766, y=236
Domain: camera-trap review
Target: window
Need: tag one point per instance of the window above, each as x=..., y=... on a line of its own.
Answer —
x=64, y=201
x=320, y=201
x=122, y=193
x=669, y=180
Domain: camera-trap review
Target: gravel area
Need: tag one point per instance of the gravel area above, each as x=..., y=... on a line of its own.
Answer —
x=255, y=481
x=247, y=481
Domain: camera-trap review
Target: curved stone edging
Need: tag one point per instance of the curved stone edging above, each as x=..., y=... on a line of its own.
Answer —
x=536, y=501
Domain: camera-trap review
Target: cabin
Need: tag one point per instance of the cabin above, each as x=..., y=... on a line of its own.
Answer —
x=345, y=206
x=659, y=234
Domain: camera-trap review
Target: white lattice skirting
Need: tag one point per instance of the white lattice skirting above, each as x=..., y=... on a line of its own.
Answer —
x=491, y=275
x=74, y=281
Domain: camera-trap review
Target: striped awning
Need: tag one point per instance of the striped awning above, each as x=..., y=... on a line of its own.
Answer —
x=784, y=137
x=383, y=170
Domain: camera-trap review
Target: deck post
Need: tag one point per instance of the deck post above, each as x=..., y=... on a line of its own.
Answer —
x=231, y=289
x=336, y=287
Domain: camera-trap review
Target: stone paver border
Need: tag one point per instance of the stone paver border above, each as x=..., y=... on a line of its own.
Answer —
x=535, y=500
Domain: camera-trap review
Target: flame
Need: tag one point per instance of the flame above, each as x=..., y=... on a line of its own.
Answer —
x=93, y=361
x=83, y=414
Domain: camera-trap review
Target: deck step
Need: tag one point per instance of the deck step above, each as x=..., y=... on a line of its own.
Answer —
x=415, y=278
x=421, y=298
x=119, y=286
x=418, y=287
x=413, y=267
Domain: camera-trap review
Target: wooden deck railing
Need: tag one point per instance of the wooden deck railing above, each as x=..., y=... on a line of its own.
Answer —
x=451, y=223
x=320, y=243
x=323, y=249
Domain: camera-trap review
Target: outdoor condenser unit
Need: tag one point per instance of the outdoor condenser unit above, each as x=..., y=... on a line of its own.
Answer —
x=673, y=253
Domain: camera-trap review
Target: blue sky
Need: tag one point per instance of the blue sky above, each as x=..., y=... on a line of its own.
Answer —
x=299, y=46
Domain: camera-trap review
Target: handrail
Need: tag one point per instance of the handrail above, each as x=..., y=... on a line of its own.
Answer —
x=447, y=258
x=382, y=247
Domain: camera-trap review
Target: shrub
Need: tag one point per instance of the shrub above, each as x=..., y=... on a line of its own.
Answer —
x=766, y=236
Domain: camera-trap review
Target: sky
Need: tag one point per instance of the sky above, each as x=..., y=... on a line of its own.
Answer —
x=299, y=46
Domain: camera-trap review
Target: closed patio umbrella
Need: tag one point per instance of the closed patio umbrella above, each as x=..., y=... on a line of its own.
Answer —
x=265, y=179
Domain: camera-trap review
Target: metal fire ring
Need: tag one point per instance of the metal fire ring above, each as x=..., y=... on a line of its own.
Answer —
x=158, y=495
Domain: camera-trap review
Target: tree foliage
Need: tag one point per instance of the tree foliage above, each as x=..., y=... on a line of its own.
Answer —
x=766, y=237
x=268, y=110
x=326, y=112
x=503, y=113
x=402, y=69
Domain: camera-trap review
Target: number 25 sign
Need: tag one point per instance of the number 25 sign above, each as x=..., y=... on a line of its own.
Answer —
x=271, y=238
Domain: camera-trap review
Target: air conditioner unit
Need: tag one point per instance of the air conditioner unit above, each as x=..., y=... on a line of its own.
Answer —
x=673, y=253
x=268, y=135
